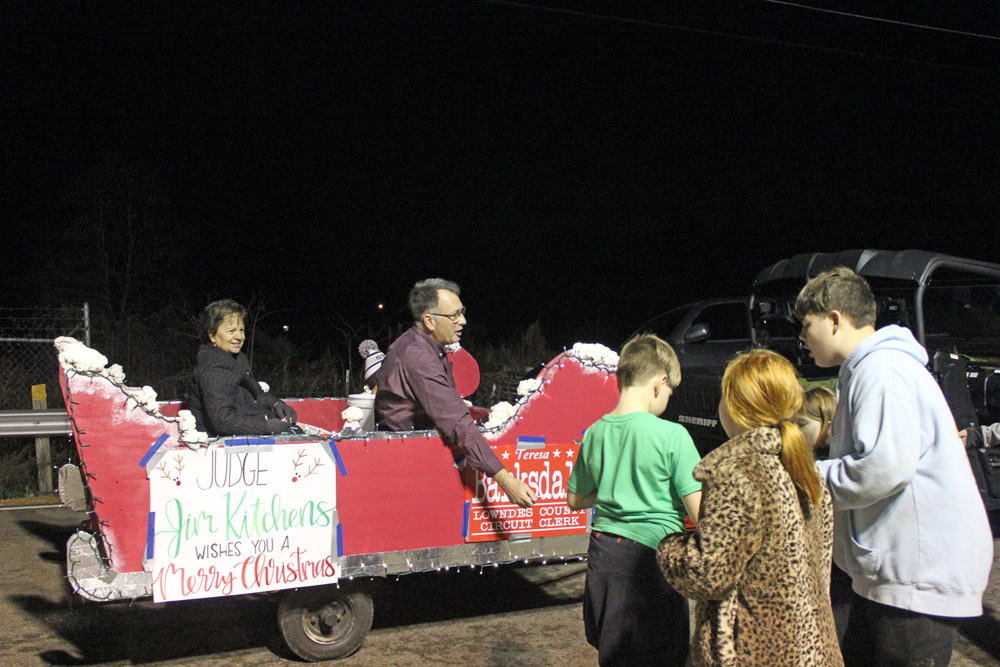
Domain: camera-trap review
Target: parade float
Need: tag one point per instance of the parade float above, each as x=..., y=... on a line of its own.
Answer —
x=316, y=518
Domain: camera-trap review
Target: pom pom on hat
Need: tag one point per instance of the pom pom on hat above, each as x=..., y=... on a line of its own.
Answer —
x=367, y=347
x=373, y=357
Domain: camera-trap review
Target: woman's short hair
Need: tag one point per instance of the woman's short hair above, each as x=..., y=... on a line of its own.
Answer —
x=218, y=312
x=424, y=295
x=643, y=357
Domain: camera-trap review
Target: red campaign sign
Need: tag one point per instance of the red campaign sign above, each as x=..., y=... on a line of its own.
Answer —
x=545, y=468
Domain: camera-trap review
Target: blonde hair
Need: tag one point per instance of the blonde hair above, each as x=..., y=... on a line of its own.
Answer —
x=643, y=357
x=819, y=404
x=761, y=388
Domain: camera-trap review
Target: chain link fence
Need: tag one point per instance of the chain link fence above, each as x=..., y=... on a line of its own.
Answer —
x=27, y=356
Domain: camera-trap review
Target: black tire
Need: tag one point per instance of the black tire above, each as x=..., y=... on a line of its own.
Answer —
x=325, y=622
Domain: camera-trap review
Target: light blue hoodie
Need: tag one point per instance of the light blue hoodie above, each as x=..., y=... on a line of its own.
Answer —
x=909, y=525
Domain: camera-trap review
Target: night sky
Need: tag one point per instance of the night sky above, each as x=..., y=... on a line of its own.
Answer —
x=585, y=164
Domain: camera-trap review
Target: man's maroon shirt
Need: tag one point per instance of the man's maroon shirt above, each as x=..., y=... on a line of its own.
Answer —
x=416, y=391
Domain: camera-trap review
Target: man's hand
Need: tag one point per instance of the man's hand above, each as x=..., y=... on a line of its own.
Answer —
x=517, y=491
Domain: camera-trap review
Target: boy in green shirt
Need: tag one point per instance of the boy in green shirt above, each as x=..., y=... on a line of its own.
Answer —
x=635, y=470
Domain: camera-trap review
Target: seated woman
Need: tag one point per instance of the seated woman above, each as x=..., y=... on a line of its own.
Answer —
x=758, y=563
x=223, y=396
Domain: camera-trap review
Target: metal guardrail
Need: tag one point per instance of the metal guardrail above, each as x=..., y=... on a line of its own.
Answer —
x=33, y=423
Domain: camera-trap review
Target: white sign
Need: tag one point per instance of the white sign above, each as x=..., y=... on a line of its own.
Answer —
x=233, y=520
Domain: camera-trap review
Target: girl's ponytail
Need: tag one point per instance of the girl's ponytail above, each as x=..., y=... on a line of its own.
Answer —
x=797, y=457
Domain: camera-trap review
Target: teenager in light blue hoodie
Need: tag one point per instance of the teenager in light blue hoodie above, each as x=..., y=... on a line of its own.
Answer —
x=909, y=525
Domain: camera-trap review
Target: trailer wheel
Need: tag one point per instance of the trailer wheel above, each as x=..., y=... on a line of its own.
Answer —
x=325, y=622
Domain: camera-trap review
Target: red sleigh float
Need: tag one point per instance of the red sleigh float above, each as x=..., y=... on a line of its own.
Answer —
x=315, y=517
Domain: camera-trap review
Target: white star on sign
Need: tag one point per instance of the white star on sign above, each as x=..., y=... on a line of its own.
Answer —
x=557, y=453
x=506, y=455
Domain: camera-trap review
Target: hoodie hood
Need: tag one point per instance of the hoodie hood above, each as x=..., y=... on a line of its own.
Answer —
x=892, y=337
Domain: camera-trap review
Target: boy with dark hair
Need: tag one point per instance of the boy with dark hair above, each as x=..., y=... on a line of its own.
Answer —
x=909, y=525
x=635, y=470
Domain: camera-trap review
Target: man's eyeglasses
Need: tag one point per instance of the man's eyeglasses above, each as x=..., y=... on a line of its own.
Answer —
x=454, y=317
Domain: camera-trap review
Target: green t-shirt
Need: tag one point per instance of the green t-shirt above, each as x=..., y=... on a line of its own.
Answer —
x=640, y=466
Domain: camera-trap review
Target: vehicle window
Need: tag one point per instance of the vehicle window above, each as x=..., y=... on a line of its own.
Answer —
x=664, y=325
x=726, y=321
x=963, y=313
x=782, y=327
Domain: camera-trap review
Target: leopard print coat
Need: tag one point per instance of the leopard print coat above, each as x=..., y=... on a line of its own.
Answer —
x=758, y=563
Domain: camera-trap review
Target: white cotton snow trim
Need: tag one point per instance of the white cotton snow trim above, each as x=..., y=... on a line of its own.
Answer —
x=503, y=413
x=145, y=397
x=74, y=354
x=452, y=348
x=265, y=387
x=186, y=421
x=190, y=435
x=500, y=414
x=526, y=387
x=595, y=354
x=116, y=373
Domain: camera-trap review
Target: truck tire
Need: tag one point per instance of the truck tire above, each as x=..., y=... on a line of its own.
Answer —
x=325, y=622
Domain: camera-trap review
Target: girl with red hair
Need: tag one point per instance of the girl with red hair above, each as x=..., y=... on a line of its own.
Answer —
x=758, y=563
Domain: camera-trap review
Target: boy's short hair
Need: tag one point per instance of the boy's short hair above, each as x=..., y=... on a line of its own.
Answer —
x=838, y=289
x=644, y=356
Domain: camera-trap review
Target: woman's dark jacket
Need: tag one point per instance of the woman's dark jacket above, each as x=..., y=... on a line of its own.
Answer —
x=226, y=399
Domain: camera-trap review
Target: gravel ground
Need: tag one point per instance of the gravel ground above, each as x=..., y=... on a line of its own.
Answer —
x=520, y=615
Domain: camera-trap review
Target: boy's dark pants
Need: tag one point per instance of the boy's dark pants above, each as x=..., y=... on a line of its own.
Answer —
x=884, y=636
x=631, y=614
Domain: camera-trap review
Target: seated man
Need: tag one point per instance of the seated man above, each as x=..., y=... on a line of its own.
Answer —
x=416, y=389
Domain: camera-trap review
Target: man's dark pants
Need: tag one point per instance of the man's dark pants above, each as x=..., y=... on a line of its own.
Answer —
x=884, y=636
x=631, y=614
